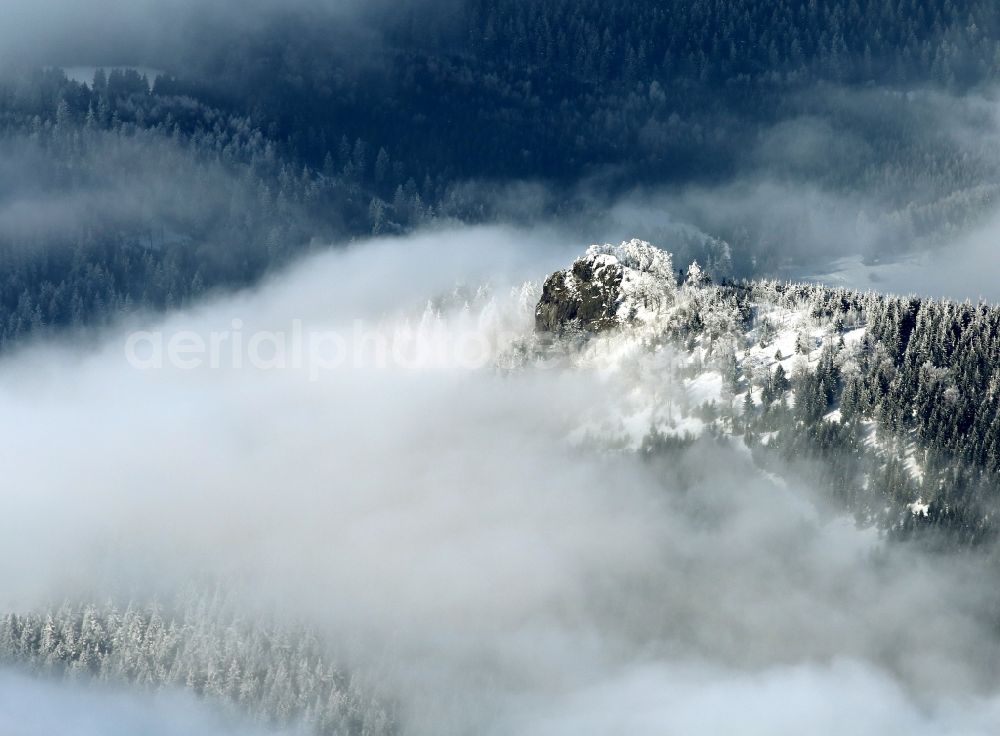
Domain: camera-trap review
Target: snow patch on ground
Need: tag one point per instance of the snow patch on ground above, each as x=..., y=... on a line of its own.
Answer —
x=704, y=388
x=911, y=463
x=854, y=337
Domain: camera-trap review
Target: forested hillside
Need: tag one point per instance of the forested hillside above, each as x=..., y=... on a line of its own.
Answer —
x=250, y=146
x=117, y=199
x=557, y=89
x=890, y=403
x=275, y=676
x=896, y=398
x=920, y=388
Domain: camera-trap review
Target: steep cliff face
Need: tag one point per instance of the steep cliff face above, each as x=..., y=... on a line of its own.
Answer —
x=610, y=286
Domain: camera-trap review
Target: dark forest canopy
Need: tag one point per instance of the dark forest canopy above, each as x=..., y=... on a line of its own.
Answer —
x=554, y=88
x=274, y=126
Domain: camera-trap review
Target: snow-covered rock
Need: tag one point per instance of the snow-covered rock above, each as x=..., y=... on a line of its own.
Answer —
x=610, y=286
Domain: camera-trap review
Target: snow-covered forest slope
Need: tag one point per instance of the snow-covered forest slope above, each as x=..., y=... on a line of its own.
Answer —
x=895, y=399
x=642, y=464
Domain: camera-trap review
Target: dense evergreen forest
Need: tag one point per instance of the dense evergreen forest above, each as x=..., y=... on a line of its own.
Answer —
x=558, y=89
x=273, y=675
x=899, y=421
x=118, y=199
x=252, y=145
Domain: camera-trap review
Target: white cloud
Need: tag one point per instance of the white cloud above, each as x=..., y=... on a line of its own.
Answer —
x=437, y=526
x=836, y=698
x=30, y=707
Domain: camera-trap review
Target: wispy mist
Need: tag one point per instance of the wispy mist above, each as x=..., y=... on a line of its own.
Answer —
x=30, y=707
x=873, y=188
x=172, y=34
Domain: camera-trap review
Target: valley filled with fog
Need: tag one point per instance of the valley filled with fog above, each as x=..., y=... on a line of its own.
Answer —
x=496, y=367
x=439, y=525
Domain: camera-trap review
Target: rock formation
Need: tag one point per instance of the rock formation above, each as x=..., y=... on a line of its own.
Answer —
x=610, y=286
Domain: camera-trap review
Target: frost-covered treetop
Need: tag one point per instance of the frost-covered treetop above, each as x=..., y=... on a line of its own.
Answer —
x=640, y=256
x=696, y=276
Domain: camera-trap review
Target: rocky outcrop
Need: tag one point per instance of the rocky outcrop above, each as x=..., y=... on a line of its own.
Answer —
x=610, y=286
x=586, y=296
